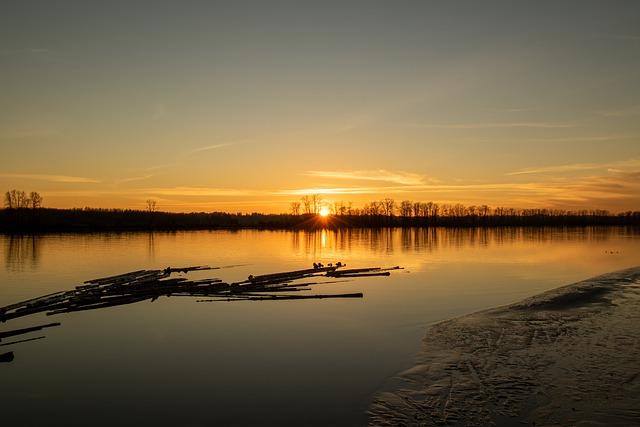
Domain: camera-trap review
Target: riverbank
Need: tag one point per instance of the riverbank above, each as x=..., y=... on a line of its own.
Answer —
x=565, y=357
x=42, y=220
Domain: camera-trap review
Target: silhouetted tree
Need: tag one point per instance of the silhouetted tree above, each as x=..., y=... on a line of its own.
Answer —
x=405, y=208
x=8, y=200
x=151, y=205
x=15, y=199
x=295, y=208
x=316, y=202
x=35, y=200
x=388, y=206
x=342, y=209
x=306, y=202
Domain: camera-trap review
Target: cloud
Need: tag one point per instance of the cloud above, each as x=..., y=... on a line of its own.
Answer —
x=156, y=167
x=631, y=110
x=498, y=125
x=582, y=138
x=578, y=167
x=196, y=191
x=134, y=178
x=620, y=190
x=382, y=175
x=213, y=147
x=50, y=178
x=431, y=188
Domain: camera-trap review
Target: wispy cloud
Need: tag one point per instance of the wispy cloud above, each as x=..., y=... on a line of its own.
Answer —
x=584, y=138
x=50, y=178
x=134, y=178
x=213, y=147
x=630, y=110
x=156, y=167
x=578, y=167
x=196, y=191
x=431, y=188
x=381, y=175
x=496, y=125
x=613, y=190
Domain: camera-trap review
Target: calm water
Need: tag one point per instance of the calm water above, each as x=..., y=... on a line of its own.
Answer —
x=316, y=362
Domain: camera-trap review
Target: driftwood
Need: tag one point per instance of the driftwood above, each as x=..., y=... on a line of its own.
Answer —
x=149, y=285
x=21, y=341
x=15, y=332
x=141, y=285
x=252, y=297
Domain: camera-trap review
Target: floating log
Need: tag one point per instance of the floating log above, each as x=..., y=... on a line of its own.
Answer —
x=29, y=301
x=251, y=297
x=288, y=297
x=117, y=276
x=354, y=271
x=21, y=341
x=188, y=269
x=141, y=285
x=295, y=273
x=23, y=331
x=381, y=273
x=6, y=357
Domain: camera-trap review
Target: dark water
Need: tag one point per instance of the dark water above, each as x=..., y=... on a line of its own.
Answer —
x=178, y=362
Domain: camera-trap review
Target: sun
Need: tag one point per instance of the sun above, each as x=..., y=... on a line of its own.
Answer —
x=324, y=211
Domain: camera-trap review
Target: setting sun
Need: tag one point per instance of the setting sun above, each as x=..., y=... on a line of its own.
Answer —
x=324, y=211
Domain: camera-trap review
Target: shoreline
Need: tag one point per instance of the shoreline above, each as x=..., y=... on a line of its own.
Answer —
x=25, y=220
x=125, y=230
x=567, y=356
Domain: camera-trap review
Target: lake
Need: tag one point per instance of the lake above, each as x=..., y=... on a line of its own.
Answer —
x=308, y=362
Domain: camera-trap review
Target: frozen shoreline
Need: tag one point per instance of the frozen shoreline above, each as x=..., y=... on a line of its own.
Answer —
x=568, y=356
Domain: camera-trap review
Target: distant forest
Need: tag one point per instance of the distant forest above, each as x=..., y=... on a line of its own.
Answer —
x=24, y=213
x=19, y=220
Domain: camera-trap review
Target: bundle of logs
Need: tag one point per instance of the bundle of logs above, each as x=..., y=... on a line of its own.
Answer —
x=143, y=285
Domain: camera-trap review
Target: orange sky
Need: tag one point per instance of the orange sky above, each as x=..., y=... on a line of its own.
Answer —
x=222, y=107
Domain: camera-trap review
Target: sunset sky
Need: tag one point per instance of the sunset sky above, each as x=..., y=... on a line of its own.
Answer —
x=246, y=106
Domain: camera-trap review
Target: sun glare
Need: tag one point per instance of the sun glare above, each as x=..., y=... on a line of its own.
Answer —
x=324, y=212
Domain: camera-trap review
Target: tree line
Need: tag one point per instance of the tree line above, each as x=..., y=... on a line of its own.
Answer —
x=18, y=199
x=304, y=215
x=409, y=209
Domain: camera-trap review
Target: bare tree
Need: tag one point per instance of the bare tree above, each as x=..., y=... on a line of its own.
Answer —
x=295, y=208
x=374, y=208
x=35, y=200
x=15, y=199
x=388, y=206
x=151, y=205
x=416, y=209
x=406, y=206
x=306, y=202
x=8, y=200
x=316, y=202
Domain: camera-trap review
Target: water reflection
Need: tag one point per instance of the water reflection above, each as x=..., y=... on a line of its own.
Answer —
x=151, y=246
x=22, y=252
x=388, y=240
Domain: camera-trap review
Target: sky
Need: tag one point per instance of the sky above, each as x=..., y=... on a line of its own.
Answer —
x=246, y=106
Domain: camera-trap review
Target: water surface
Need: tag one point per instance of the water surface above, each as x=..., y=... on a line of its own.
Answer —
x=310, y=362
